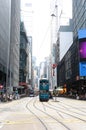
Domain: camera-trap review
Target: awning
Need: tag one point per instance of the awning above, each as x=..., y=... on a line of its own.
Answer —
x=23, y=84
x=17, y=87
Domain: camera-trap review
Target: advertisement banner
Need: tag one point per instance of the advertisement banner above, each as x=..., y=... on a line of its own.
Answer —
x=82, y=68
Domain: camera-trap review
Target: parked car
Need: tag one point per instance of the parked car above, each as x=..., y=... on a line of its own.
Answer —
x=31, y=94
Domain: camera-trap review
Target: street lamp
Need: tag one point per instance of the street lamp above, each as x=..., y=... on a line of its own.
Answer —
x=53, y=42
x=54, y=37
x=53, y=15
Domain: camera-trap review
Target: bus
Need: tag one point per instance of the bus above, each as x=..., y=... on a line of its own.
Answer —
x=44, y=89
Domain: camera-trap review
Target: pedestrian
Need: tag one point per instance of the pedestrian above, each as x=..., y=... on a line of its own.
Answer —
x=55, y=93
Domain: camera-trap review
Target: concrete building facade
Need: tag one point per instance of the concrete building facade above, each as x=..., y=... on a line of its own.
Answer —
x=9, y=38
x=79, y=16
x=14, y=42
x=65, y=39
x=5, y=14
x=71, y=71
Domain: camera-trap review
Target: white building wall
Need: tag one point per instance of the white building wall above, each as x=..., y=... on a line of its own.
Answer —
x=66, y=39
x=42, y=70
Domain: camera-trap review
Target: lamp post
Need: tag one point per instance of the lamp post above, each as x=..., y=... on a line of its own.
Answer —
x=53, y=41
x=54, y=36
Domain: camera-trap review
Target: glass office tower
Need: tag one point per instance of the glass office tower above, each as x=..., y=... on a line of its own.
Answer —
x=79, y=16
x=9, y=42
x=5, y=14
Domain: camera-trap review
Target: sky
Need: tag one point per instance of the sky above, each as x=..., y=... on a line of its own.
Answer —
x=37, y=20
x=41, y=29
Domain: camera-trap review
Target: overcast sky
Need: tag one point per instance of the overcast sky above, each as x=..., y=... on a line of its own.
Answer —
x=38, y=20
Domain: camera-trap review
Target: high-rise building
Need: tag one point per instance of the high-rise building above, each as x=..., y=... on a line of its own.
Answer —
x=15, y=42
x=26, y=18
x=79, y=37
x=30, y=60
x=5, y=14
x=65, y=40
x=79, y=16
x=9, y=43
x=58, y=37
x=23, y=56
x=72, y=67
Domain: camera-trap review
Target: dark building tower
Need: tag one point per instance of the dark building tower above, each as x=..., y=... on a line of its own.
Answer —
x=79, y=37
x=79, y=16
x=23, y=56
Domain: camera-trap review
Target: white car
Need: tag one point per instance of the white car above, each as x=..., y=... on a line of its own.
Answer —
x=31, y=95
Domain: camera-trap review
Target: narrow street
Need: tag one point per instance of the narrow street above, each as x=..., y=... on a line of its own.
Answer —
x=31, y=114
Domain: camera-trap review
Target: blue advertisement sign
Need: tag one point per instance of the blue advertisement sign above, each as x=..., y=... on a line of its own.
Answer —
x=82, y=34
x=82, y=68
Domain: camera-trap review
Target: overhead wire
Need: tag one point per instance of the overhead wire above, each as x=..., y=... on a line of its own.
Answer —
x=47, y=28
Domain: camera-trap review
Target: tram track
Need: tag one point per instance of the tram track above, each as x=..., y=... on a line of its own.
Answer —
x=41, y=107
x=44, y=123
x=67, y=105
x=70, y=107
x=49, y=115
x=55, y=108
x=38, y=118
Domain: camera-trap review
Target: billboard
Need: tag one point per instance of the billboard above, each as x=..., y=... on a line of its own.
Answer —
x=82, y=49
x=82, y=44
x=82, y=34
x=82, y=68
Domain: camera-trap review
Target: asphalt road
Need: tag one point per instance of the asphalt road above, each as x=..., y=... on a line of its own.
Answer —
x=31, y=114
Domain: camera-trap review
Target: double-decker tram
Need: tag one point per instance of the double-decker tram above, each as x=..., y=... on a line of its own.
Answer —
x=43, y=89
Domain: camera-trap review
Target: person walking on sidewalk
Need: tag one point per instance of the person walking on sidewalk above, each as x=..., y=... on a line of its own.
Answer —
x=55, y=93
